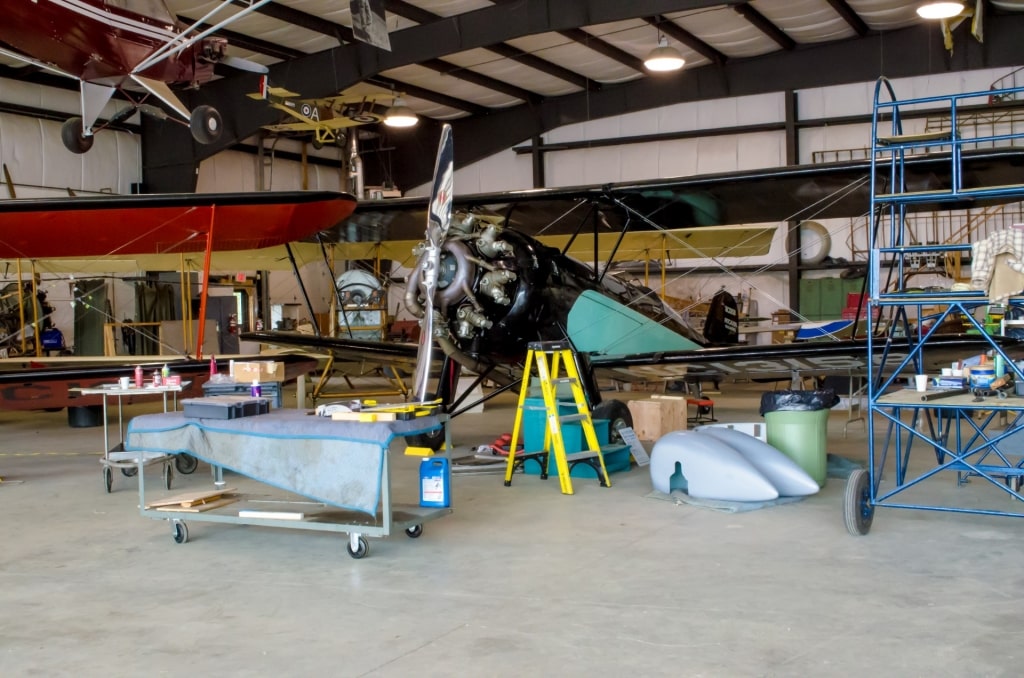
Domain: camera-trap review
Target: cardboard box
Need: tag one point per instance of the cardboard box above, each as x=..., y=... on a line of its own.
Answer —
x=261, y=371
x=655, y=417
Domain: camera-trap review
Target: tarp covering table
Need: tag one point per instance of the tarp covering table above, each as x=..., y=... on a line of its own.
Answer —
x=337, y=463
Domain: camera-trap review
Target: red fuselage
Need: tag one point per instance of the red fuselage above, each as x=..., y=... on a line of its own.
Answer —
x=101, y=42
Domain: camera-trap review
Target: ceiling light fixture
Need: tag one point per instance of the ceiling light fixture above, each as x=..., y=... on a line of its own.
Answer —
x=400, y=115
x=940, y=10
x=664, y=57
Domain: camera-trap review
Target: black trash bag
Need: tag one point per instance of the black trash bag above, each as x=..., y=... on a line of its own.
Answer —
x=798, y=401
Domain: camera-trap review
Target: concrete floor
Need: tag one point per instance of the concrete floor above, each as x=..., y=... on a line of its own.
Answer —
x=518, y=581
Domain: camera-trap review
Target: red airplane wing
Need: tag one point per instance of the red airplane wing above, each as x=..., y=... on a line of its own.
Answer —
x=163, y=224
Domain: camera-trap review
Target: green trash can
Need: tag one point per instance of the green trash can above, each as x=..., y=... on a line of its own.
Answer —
x=803, y=437
x=796, y=424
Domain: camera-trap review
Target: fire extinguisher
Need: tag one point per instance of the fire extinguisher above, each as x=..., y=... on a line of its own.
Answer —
x=233, y=324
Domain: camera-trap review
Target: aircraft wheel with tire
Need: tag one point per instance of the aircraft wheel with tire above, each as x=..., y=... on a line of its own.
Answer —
x=205, y=124
x=179, y=530
x=414, y=532
x=185, y=463
x=618, y=416
x=857, y=509
x=72, y=134
x=316, y=143
x=360, y=549
x=108, y=478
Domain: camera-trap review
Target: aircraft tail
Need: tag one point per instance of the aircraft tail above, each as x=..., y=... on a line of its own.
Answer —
x=722, y=324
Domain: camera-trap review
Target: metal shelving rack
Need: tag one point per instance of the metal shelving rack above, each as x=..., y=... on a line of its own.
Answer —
x=961, y=433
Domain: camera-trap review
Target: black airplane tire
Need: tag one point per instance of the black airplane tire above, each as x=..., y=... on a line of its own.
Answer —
x=205, y=124
x=71, y=133
x=316, y=144
x=618, y=416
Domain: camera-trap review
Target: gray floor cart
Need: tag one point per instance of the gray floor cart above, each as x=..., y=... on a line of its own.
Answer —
x=116, y=456
x=341, y=470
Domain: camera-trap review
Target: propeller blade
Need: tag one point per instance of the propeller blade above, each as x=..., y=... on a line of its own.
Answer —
x=243, y=64
x=439, y=218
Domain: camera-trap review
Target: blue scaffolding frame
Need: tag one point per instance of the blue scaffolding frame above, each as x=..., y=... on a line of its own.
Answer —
x=959, y=427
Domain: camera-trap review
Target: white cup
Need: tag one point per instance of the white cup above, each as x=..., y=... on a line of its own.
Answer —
x=921, y=381
x=124, y=382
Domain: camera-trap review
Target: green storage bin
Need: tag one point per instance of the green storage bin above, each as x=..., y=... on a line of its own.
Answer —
x=802, y=435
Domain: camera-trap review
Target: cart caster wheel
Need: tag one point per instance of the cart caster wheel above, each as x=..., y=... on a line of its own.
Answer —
x=130, y=471
x=414, y=532
x=360, y=550
x=180, y=532
x=168, y=475
x=108, y=479
x=857, y=509
x=185, y=463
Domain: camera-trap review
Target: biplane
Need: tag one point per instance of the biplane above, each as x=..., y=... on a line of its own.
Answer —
x=483, y=289
x=330, y=117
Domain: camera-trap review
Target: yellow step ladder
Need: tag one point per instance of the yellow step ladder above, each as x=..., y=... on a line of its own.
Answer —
x=551, y=359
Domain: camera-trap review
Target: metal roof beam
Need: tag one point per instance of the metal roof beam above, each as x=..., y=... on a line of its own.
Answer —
x=430, y=95
x=683, y=36
x=765, y=26
x=502, y=49
x=850, y=17
x=601, y=47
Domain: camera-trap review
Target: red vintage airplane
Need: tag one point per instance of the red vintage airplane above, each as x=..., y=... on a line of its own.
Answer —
x=120, y=45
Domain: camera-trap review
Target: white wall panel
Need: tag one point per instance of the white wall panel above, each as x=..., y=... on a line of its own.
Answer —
x=675, y=158
x=41, y=166
x=639, y=160
x=226, y=172
x=639, y=124
x=717, y=154
x=763, y=149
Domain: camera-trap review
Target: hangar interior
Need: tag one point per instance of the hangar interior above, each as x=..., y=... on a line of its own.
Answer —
x=769, y=127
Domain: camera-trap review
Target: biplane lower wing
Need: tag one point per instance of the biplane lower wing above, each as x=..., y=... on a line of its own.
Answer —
x=353, y=350
x=781, y=361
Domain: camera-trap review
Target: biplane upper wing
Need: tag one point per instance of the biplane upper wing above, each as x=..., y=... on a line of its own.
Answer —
x=112, y=226
x=770, y=195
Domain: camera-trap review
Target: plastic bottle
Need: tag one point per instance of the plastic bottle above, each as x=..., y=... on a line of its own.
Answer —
x=157, y=381
x=213, y=365
x=138, y=376
x=165, y=372
x=256, y=390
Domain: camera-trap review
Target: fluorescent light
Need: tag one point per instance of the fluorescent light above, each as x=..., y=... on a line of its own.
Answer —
x=400, y=115
x=940, y=10
x=664, y=58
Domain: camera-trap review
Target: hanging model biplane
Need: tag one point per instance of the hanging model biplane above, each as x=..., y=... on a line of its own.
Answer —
x=328, y=118
x=148, y=232
x=483, y=288
x=136, y=47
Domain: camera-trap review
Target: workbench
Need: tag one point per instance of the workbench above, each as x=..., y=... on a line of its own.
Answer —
x=340, y=470
x=116, y=456
x=963, y=432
